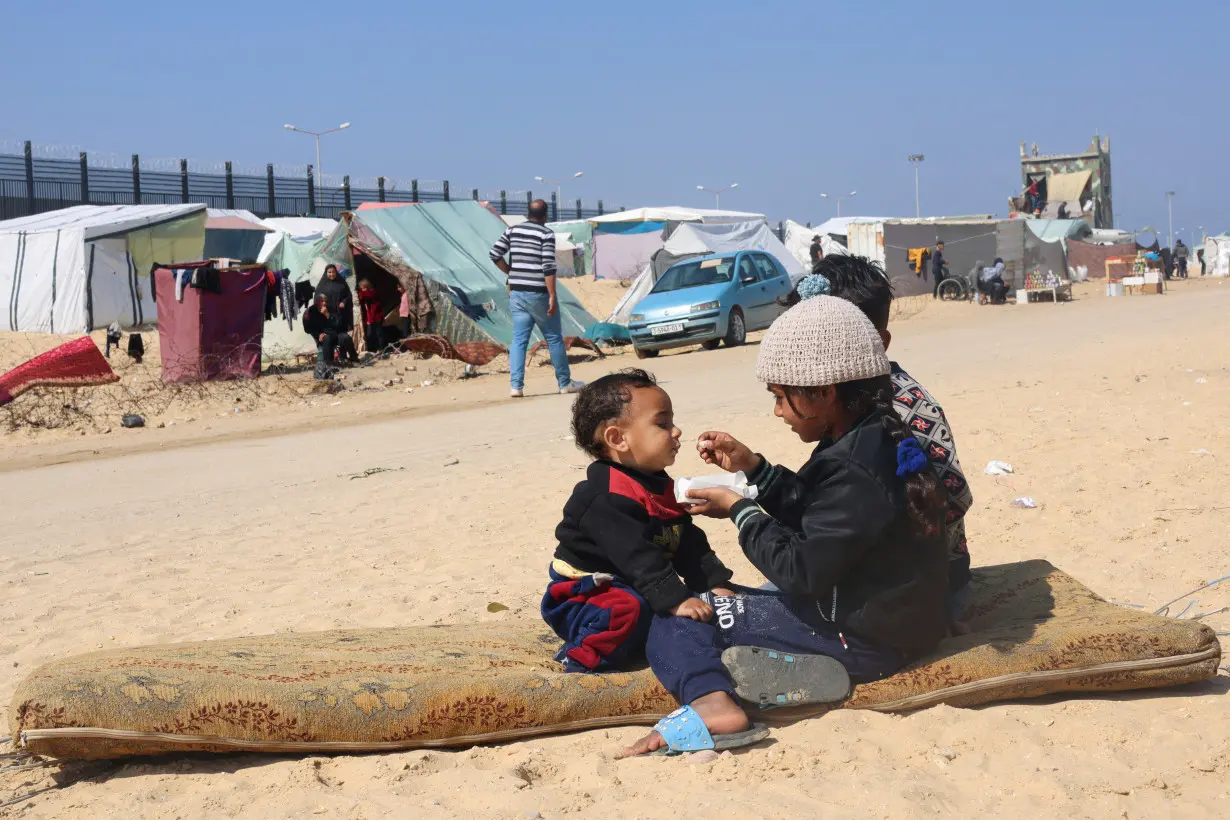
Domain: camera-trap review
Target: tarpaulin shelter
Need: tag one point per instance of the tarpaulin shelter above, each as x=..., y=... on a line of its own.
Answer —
x=581, y=234
x=82, y=268
x=624, y=242
x=303, y=246
x=1216, y=255
x=693, y=239
x=212, y=332
x=448, y=244
x=798, y=242
x=234, y=234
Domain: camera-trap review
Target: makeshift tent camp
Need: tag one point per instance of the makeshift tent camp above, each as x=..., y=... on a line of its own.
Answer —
x=1217, y=255
x=624, y=242
x=449, y=245
x=232, y=234
x=206, y=335
x=581, y=234
x=693, y=239
x=82, y=268
x=798, y=243
x=302, y=246
x=303, y=233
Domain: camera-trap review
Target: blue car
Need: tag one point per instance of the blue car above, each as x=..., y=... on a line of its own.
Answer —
x=709, y=300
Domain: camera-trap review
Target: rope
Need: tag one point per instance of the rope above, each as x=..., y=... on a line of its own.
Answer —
x=950, y=242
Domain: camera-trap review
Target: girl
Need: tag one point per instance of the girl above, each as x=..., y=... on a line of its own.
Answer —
x=853, y=540
x=373, y=316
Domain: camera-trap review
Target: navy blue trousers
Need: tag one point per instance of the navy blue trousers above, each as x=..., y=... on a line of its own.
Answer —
x=686, y=655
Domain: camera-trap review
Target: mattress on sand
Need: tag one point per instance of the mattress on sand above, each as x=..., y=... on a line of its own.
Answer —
x=1036, y=632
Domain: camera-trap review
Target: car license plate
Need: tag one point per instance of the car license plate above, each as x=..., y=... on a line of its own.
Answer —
x=662, y=330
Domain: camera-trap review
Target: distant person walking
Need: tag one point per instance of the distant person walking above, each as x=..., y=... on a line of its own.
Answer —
x=817, y=251
x=937, y=268
x=530, y=268
x=1180, y=258
x=1200, y=259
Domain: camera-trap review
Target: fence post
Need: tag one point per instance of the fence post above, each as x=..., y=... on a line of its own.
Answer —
x=503, y=203
x=183, y=181
x=346, y=190
x=273, y=211
x=578, y=208
x=136, y=179
x=29, y=176
x=600, y=207
x=446, y=190
x=474, y=194
x=311, y=180
x=414, y=190
x=230, y=187
x=85, y=179
x=380, y=188
x=554, y=208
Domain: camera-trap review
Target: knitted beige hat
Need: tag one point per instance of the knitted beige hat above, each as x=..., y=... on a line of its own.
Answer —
x=821, y=341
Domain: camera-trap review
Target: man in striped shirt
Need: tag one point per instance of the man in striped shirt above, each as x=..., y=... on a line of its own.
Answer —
x=530, y=268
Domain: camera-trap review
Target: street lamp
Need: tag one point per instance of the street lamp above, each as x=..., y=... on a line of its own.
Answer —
x=1170, y=213
x=717, y=193
x=917, y=160
x=839, y=199
x=320, y=174
x=559, y=187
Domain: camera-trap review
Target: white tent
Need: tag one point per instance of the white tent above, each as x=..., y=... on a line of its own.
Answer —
x=798, y=243
x=82, y=268
x=565, y=249
x=302, y=229
x=1217, y=255
x=673, y=213
x=695, y=239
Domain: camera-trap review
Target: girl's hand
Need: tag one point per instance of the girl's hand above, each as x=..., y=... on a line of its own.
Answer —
x=723, y=592
x=725, y=451
x=714, y=502
x=694, y=608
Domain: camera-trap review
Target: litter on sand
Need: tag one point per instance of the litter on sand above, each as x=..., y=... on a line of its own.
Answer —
x=998, y=468
x=1025, y=503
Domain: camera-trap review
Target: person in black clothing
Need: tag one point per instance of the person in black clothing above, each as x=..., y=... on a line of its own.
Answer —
x=624, y=541
x=334, y=288
x=817, y=251
x=937, y=268
x=853, y=540
x=330, y=333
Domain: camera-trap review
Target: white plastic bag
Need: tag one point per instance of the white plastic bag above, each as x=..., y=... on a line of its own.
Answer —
x=736, y=482
x=998, y=468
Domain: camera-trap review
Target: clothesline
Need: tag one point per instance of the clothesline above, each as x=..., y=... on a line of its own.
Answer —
x=947, y=243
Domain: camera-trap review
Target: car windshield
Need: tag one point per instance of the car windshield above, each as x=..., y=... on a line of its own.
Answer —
x=695, y=274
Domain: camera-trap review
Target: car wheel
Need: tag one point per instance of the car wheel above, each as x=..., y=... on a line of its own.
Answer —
x=712, y=344
x=736, y=329
x=641, y=353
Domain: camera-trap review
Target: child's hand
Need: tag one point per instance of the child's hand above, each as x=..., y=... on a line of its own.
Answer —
x=723, y=592
x=726, y=452
x=694, y=608
x=714, y=502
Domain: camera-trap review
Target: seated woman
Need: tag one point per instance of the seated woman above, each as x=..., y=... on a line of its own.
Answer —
x=853, y=540
x=991, y=282
x=328, y=328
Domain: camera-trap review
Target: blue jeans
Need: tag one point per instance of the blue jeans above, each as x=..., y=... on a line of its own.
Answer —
x=530, y=309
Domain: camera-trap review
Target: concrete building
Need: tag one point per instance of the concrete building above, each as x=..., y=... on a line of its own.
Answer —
x=1080, y=183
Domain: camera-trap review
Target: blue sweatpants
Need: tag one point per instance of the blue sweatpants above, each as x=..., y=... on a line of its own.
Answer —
x=686, y=655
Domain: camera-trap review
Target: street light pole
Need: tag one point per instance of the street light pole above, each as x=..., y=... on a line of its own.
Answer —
x=839, y=199
x=717, y=193
x=1170, y=213
x=559, y=186
x=917, y=160
x=320, y=174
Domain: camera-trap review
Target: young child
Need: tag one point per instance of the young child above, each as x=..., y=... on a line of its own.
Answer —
x=373, y=316
x=863, y=282
x=624, y=542
x=853, y=540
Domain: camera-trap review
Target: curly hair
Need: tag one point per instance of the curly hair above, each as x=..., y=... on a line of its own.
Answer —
x=926, y=497
x=856, y=279
x=604, y=401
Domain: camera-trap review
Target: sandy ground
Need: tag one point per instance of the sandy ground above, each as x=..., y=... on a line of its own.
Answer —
x=1107, y=408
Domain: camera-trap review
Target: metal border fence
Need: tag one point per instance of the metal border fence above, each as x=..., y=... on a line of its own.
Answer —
x=32, y=184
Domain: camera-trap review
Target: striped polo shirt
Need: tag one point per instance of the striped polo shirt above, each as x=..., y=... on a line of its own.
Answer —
x=530, y=248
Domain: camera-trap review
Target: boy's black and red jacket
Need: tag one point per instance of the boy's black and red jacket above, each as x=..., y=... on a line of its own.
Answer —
x=627, y=523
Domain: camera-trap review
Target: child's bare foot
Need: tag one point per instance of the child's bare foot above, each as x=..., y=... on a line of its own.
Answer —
x=722, y=716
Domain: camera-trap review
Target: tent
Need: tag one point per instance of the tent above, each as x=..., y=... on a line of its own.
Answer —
x=233, y=234
x=82, y=268
x=581, y=234
x=673, y=213
x=303, y=246
x=624, y=242
x=449, y=245
x=565, y=248
x=206, y=335
x=798, y=243
x=694, y=239
x=1216, y=255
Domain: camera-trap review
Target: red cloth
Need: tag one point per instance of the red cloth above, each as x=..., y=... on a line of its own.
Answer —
x=211, y=336
x=74, y=364
x=475, y=353
x=370, y=301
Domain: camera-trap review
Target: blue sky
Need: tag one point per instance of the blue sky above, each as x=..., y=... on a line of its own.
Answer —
x=789, y=99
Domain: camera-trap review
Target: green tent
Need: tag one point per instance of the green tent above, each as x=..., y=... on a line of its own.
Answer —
x=581, y=234
x=449, y=243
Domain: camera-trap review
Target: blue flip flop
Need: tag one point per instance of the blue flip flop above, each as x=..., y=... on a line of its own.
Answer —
x=684, y=731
